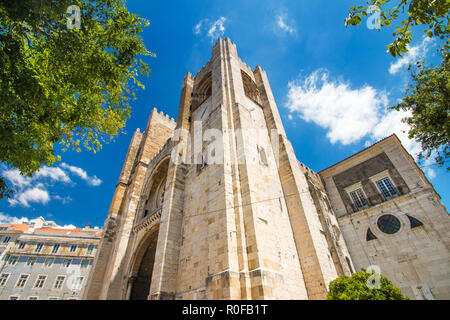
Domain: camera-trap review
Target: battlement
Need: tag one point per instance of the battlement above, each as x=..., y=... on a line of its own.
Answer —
x=306, y=169
x=203, y=71
x=161, y=116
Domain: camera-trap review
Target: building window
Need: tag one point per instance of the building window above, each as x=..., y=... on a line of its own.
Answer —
x=349, y=264
x=13, y=298
x=31, y=261
x=55, y=248
x=370, y=235
x=22, y=280
x=359, y=199
x=12, y=261
x=49, y=262
x=38, y=247
x=3, y=228
x=53, y=298
x=3, y=279
x=77, y=284
x=40, y=282
x=73, y=248
x=386, y=188
x=90, y=249
x=59, y=282
x=6, y=239
x=22, y=245
x=66, y=263
x=414, y=222
x=84, y=263
x=388, y=224
x=33, y=298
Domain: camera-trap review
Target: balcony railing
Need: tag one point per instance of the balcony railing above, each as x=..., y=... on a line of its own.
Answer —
x=394, y=194
x=366, y=203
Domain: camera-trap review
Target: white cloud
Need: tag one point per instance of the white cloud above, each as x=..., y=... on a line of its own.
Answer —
x=282, y=24
x=16, y=179
x=213, y=29
x=20, y=181
x=427, y=168
x=53, y=173
x=37, y=195
x=348, y=114
x=411, y=56
x=391, y=122
x=198, y=27
x=64, y=200
x=92, y=180
x=34, y=190
x=66, y=227
x=7, y=219
x=217, y=28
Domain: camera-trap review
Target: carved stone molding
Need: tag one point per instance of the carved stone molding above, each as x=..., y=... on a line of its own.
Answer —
x=149, y=221
x=111, y=226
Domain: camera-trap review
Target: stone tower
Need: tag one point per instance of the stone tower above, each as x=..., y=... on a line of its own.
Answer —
x=216, y=205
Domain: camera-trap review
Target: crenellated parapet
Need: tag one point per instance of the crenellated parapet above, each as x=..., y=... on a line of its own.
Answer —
x=203, y=71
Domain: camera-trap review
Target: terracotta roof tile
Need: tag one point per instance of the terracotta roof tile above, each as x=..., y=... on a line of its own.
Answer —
x=59, y=229
x=18, y=227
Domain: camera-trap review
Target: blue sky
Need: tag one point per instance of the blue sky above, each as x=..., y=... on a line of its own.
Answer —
x=331, y=84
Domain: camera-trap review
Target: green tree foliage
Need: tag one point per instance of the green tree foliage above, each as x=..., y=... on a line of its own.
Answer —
x=431, y=14
x=356, y=288
x=61, y=85
x=427, y=97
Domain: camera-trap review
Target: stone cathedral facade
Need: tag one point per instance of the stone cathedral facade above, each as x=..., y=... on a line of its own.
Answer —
x=217, y=206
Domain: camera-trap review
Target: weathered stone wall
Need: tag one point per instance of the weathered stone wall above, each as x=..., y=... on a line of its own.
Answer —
x=412, y=257
x=239, y=219
x=361, y=173
x=330, y=227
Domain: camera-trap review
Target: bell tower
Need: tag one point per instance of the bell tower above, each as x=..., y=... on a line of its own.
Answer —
x=239, y=217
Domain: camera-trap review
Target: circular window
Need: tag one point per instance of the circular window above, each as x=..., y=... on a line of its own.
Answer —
x=388, y=224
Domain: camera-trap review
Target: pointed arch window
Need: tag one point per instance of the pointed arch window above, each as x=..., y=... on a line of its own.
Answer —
x=250, y=88
x=414, y=222
x=202, y=92
x=370, y=235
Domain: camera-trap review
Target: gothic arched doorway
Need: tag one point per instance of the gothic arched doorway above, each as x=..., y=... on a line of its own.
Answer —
x=143, y=268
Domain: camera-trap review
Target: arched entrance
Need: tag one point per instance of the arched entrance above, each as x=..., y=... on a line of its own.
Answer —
x=143, y=268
